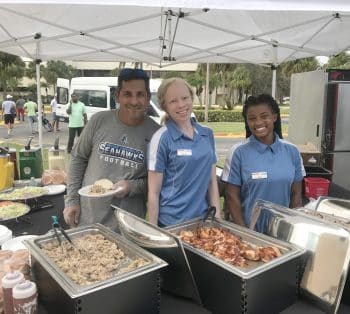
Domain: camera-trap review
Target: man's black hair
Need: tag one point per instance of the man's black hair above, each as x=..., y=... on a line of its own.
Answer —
x=128, y=74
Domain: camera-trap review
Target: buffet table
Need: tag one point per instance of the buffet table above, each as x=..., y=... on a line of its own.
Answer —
x=38, y=222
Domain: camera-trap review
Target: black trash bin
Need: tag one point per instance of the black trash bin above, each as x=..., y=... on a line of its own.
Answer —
x=317, y=171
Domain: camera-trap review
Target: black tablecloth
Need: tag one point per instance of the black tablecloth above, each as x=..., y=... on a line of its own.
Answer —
x=38, y=221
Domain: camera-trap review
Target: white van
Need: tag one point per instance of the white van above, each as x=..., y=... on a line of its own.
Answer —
x=97, y=93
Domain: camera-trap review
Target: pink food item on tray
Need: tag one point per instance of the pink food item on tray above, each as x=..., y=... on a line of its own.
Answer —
x=54, y=177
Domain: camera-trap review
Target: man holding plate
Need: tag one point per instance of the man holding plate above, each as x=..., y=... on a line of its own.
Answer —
x=113, y=146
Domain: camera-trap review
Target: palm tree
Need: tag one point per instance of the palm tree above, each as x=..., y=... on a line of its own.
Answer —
x=11, y=71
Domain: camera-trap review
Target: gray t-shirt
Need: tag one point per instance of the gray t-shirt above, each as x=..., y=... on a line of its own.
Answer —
x=107, y=148
x=20, y=103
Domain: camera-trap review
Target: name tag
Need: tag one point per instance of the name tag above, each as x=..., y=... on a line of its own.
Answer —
x=259, y=175
x=184, y=152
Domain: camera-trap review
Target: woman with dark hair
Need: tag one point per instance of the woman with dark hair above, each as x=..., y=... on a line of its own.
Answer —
x=264, y=166
x=263, y=98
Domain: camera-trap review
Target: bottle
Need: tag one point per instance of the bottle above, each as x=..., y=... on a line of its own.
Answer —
x=32, y=182
x=312, y=161
x=8, y=282
x=25, y=298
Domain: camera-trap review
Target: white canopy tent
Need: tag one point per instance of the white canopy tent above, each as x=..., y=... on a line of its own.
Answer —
x=265, y=32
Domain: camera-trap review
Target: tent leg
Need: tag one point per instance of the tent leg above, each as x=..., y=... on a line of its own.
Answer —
x=273, y=89
x=206, y=95
x=38, y=90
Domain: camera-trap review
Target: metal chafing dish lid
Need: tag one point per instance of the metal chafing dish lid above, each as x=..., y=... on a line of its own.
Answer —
x=141, y=232
x=177, y=278
x=327, y=245
x=334, y=206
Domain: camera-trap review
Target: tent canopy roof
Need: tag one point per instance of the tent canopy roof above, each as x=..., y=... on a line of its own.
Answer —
x=261, y=32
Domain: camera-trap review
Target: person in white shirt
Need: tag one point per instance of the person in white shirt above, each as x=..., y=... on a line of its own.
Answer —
x=55, y=119
x=9, y=112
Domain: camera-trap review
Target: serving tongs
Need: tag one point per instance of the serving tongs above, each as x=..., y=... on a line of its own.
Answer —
x=211, y=211
x=29, y=140
x=57, y=228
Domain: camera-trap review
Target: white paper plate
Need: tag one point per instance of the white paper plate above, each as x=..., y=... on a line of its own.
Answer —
x=55, y=189
x=16, y=243
x=85, y=191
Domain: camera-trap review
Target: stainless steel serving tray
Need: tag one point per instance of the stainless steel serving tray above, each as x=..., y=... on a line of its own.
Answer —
x=177, y=278
x=334, y=206
x=74, y=290
x=254, y=268
x=328, y=218
x=259, y=288
x=327, y=245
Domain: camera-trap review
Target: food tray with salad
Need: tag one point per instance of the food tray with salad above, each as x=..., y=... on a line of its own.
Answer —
x=24, y=193
x=10, y=210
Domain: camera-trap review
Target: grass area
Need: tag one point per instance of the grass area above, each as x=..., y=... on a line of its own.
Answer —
x=284, y=110
x=236, y=128
x=226, y=127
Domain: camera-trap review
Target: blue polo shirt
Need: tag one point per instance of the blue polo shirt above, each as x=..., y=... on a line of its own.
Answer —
x=186, y=166
x=263, y=171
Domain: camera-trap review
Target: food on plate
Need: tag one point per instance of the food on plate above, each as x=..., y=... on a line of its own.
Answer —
x=228, y=247
x=102, y=186
x=9, y=210
x=54, y=177
x=23, y=193
x=96, y=258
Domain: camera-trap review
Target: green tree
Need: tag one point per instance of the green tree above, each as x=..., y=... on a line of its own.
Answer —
x=11, y=71
x=261, y=78
x=240, y=80
x=197, y=81
x=31, y=70
x=298, y=66
x=56, y=69
x=340, y=61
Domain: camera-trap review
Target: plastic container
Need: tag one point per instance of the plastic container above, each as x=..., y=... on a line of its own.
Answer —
x=5, y=234
x=25, y=298
x=7, y=172
x=8, y=282
x=315, y=187
x=319, y=172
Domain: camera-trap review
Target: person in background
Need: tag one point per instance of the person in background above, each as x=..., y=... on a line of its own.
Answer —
x=264, y=166
x=31, y=108
x=8, y=108
x=77, y=119
x=182, y=180
x=55, y=119
x=113, y=146
x=20, y=108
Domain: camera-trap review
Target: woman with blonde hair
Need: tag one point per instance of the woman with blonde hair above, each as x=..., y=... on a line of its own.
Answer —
x=182, y=180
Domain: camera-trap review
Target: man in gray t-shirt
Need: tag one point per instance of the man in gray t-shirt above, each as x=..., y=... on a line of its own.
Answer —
x=20, y=108
x=113, y=145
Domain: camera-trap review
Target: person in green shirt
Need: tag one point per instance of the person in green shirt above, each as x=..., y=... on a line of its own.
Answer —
x=77, y=119
x=31, y=108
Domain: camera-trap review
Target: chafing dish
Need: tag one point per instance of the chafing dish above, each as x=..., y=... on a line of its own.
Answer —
x=328, y=250
x=334, y=206
x=259, y=288
x=177, y=278
x=135, y=291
